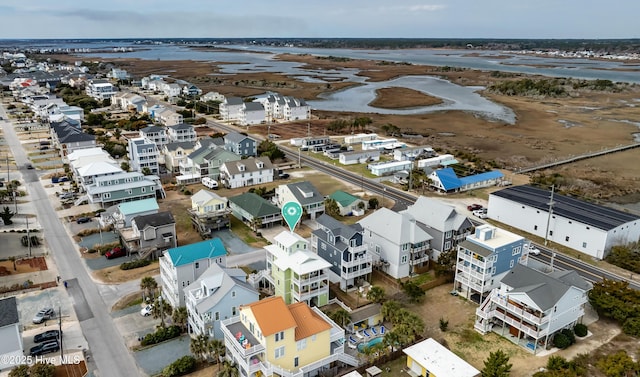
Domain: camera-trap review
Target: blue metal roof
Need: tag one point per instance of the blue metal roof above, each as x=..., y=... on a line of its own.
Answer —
x=138, y=206
x=448, y=179
x=200, y=250
x=494, y=174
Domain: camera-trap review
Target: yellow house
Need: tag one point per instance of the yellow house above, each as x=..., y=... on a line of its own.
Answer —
x=431, y=359
x=270, y=337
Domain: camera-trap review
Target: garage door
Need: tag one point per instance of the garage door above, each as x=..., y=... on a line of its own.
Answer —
x=416, y=368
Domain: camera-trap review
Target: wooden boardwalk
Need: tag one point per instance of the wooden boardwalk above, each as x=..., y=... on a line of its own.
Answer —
x=577, y=158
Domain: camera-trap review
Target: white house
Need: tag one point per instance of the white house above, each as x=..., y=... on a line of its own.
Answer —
x=586, y=227
x=11, y=334
x=252, y=113
x=181, y=132
x=396, y=242
x=389, y=167
x=231, y=108
x=142, y=154
x=358, y=157
x=531, y=306
x=247, y=172
x=183, y=265
x=430, y=358
x=303, y=193
x=100, y=89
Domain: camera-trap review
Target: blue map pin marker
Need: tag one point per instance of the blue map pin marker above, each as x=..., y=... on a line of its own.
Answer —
x=292, y=212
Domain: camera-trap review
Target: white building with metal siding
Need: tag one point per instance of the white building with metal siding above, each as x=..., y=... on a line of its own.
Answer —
x=586, y=227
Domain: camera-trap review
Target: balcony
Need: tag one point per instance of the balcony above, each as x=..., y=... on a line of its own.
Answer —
x=309, y=294
x=310, y=279
x=519, y=311
x=356, y=274
x=418, y=260
x=233, y=326
x=358, y=261
x=469, y=272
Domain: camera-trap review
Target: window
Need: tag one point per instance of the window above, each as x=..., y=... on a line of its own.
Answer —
x=233, y=293
x=279, y=352
x=447, y=245
x=535, y=227
x=280, y=336
x=377, y=249
x=493, y=271
x=295, y=361
x=551, y=232
x=584, y=244
x=301, y=344
x=516, y=250
x=511, y=263
x=106, y=195
x=566, y=238
x=197, y=264
x=448, y=234
x=142, y=189
x=216, y=316
x=403, y=260
x=234, y=311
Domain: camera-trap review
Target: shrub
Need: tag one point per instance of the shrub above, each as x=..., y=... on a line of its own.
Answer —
x=135, y=264
x=569, y=334
x=580, y=330
x=161, y=334
x=444, y=324
x=561, y=341
x=183, y=365
x=632, y=326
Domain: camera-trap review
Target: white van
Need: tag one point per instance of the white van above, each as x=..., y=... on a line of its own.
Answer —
x=210, y=183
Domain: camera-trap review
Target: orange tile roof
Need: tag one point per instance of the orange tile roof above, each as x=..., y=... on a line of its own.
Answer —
x=272, y=315
x=308, y=322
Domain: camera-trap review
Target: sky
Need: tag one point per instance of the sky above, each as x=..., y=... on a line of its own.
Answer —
x=29, y=19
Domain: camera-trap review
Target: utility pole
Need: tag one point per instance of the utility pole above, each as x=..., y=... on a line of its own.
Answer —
x=60, y=329
x=28, y=235
x=550, y=212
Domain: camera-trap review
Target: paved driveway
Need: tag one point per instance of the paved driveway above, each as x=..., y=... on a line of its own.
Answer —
x=233, y=244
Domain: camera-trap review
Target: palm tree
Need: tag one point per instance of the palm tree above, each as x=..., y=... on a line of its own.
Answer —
x=216, y=348
x=390, y=310
x=198, y=346
x=148, y=285
x=179, y=317
x=341, y=317
x=229, y=369
x=376, y=294
x=391, y=339
x=160, y=309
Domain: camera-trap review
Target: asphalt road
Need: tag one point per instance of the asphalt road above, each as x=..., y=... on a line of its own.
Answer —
x=111, y=356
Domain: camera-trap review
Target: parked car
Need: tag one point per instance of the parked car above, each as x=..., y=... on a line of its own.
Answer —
x=116, y=252
x=210, y=183
x=67, y=195
x=43, y=348
x=43, y=315
x=481, y=213
x=474, y=207
x=283, y=175
x=82, y=220
x=46, y=336
x=147, y=310
x=533, y=250
x=29, y=166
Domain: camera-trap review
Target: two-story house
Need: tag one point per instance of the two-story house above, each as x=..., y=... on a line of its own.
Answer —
x=271, y=338
x=240, y=144
x=176, y=153
x=168, y=117
x=143, y=154
x=68, y=137
x=215, y=296
x=123, y=187
x=150, y=234
x=530, y=306
x=297, y=273
x=100, y=89
x=205, y=162
x=484, y=258
x=208, y=212
x=396, y=242
x=443, y=222
x=303, y=193
x=155, y=134
x=183, y=265
x=181, y=133
x=120, y=215
x=231, y=108
x=248, y=172
x=343, y=247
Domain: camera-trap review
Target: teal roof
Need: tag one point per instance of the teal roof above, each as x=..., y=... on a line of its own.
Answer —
x=344, y=199
x=138, y=206
x=201, y=250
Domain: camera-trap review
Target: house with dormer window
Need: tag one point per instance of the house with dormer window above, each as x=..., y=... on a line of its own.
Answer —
x=248, y=172
x=303, y=193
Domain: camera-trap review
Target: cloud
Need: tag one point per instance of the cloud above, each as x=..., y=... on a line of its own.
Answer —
x=427, y=8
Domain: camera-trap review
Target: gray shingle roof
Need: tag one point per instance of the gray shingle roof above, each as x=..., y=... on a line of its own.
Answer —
x=253, y=106
x=154, y=220
x=476, y=248
x=298, y=189
x=399, y=228
x=235, y=137
x=150, y=129
x=598, y=216
x=438, y=215
x=234, y=101
x=8, y=312
x=180, y=144
x=250, y=165
x=545, y=290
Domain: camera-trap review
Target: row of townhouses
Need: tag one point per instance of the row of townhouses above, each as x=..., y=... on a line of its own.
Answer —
x=270, y=109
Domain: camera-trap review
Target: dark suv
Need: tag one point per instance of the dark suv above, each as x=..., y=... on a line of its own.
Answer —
x=46, y=336
x=43, y=348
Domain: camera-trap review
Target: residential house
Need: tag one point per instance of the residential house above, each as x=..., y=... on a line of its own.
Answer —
x=183, y=265
x=348, y=204
x=411, y=154
x=296, y=109
x=11, y=334
x=397, y=243
x=181, y=132
x=100, y=89
x=215, y=296
x=191, y=90
x=129, y=101
x=171, y=90
x=303, y=193
x=248, y=172
x=434, y=162
x=120, y=215
x=123, y=187
x=68, y=137
x=252, y=113
x=168, y=117
x=314, y=141
x=443, y=222
x=208, y=212
x=358, y=157
x=446, y=180
x=296, y=273
x=143, y=154
x=176, y=153
x=530, y=306
x=343, y=247
x=150, y=234
x=270, y=338
x=118, y=74
x=83, y=154
x=87, y=174
x=231, y=109
x=359, y=138
x=254, y=210
x=240, y=144
x=583, y=226
x=205, y=162
x=430, y=358
x=484, y=258
x=213, y=96
x=156, y=135
x=380, y=169
x=365, y=317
